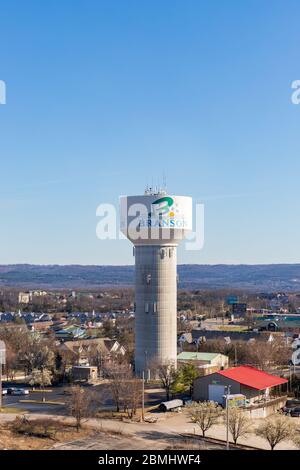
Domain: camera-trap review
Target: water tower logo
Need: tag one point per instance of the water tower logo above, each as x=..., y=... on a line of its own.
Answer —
x=164, y=206
x=164, y=212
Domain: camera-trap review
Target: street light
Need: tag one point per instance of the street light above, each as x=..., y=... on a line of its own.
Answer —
x=228, y=387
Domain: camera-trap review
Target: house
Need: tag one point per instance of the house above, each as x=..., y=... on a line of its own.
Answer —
x=7, y=317
x=104, y=348
x=71, y=332
x=86, y=373
x=38, y=293
x=44, y=317
x=185, y=338
x=205, y=362
x=28, y=317
x=25, y=297
x=201, y=335
x=41, y=326
x=255, y=384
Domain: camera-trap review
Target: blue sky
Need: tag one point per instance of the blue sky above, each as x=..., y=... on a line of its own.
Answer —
x=103, y=96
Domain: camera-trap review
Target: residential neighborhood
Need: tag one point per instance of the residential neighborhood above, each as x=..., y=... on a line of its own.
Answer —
x=231, y=361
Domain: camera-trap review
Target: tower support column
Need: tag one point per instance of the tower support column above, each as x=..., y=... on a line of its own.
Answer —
x=156, y=306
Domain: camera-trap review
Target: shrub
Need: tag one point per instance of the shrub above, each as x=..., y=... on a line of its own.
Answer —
x=42, y=427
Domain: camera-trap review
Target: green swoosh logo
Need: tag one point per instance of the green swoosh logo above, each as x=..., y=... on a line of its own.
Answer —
x=168, y=203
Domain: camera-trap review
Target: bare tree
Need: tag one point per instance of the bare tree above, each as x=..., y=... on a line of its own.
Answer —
x=42, y=378
x=11, y=364
x=79, y=404
x=267, y=355
x=276, y=429
x=167, y=375
x=37, y=354
x=205, y=414
x=64, y=359
x=117, y=374
x=131, y=395
x=239, y=424
x=296, y=439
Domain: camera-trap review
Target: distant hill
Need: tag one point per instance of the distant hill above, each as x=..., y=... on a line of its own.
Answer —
x=273, y=277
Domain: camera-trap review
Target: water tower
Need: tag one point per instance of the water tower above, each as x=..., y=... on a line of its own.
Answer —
x=155, y=223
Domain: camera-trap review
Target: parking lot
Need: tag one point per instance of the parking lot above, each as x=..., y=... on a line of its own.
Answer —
x=102, y=395
x=55, y=395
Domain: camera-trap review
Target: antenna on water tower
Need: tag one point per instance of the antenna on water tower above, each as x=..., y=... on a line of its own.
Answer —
x=164, y=182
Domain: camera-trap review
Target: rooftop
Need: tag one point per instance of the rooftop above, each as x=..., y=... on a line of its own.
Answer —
x=197, y=356
x=252, y=377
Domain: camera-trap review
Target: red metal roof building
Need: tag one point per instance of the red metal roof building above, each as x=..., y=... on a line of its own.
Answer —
x=252, y=377
x=246, y=380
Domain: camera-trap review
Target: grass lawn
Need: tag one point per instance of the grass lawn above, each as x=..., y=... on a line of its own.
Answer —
x=41, y=402
x=10, y=409
x=238, y=328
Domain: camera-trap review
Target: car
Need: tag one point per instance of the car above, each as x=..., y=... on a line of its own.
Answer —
x=4, y=391
x=10, y=390
x=295, y=412
x=20, y=391
x=290, y=405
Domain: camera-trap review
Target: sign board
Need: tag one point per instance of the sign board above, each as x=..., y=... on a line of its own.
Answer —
x=2, y=353
x=232, y=299
x=234, y=400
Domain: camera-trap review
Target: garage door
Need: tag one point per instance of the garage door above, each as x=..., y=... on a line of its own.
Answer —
x=216, y=392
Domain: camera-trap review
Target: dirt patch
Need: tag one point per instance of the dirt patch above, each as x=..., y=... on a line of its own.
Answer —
x=10, y=440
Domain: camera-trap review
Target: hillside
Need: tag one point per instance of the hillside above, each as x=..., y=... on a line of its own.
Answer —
x=273, y=277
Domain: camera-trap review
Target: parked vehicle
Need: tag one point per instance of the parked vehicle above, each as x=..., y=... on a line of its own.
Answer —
x=290, y=405
x=19, y=391
x=295, y=412
x=10, y=390
x=4, y=391
x=295, y=358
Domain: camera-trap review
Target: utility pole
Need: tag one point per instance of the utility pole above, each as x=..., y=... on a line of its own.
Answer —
x=227, y=416
x=146, y=364
x=143, y=396
x=235, y=356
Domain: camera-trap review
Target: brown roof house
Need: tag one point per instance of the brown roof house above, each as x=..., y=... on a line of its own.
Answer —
x=95, y=349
